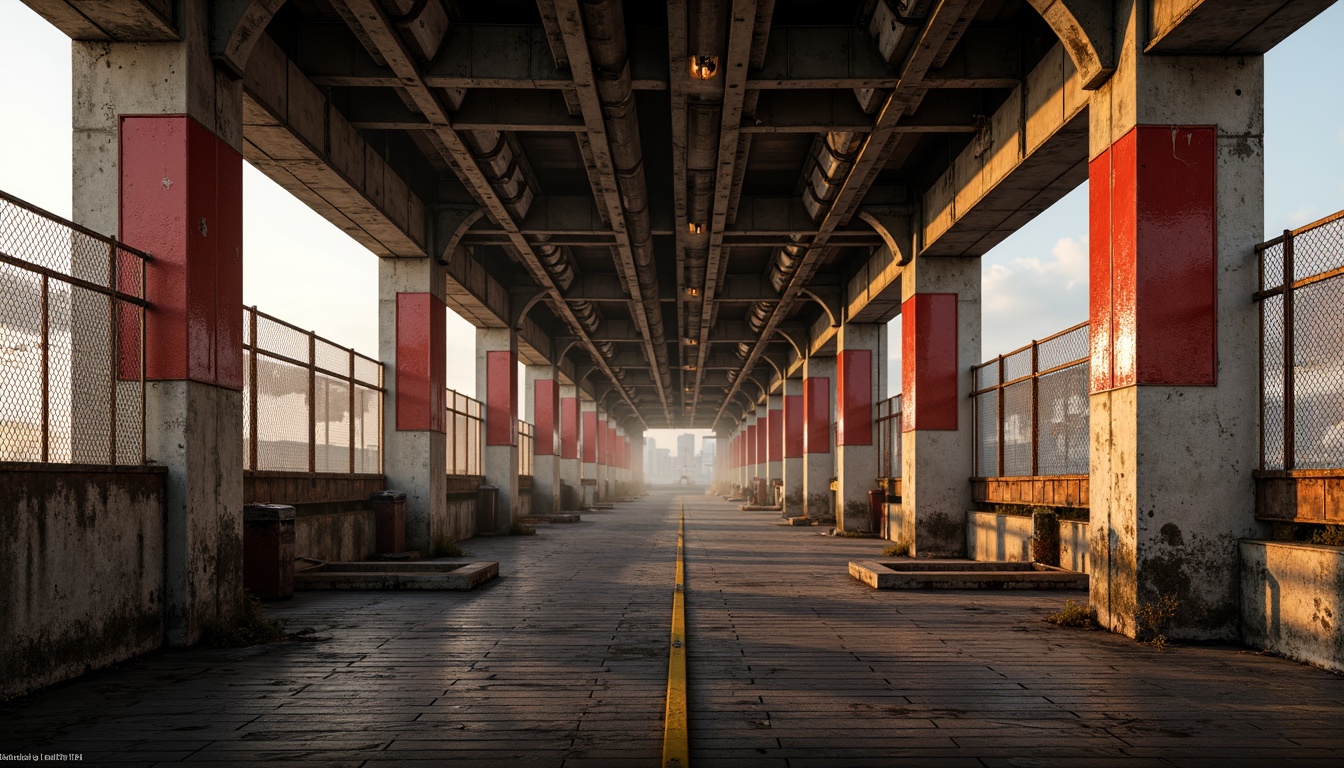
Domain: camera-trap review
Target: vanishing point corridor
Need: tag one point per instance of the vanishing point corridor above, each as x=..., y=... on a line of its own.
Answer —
x=563, y=661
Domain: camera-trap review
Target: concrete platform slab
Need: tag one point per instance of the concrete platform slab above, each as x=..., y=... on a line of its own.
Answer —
x=963, y=574
x=420, y=574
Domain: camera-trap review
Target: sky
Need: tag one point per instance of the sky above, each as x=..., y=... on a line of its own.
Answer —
x=299, y=267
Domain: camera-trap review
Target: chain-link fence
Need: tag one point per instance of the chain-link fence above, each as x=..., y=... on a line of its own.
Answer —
x=72, y=318
x=309, y=405
x=1031, y=409
x=1302, y=347
x=526, y=445
x=464, y=434
x=889, y=436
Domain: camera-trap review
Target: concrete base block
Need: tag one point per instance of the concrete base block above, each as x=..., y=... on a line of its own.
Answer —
x=426, y=574
x=1292, y=596
x=994, y=537
x=963, y=574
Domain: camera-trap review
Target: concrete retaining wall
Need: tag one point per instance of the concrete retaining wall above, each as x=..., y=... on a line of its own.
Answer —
x=896, y=526
x=1292, y=600
x=336, y=536
x=991, y=536
x=1074, y=552
x=81, y=561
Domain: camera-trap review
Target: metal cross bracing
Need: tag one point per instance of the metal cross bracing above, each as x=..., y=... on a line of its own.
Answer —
x=681, y=195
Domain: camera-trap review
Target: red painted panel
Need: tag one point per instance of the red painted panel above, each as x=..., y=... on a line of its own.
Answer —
x=202, y=235
x=776, y=435
x=793, y=426
x=1176, y=255
x=419, y=390
x=601, y=440
x=611, y=446
x=1124, y=192
x=543, y=416
x=929, y=362
x=438, y=365
x=763, y=438
x=854, y=396
x=569, y=428
x=590, y=437
x=501, y=397
x=751, y=445
x=1099, y=271
x=817, y=414
x=228, y=222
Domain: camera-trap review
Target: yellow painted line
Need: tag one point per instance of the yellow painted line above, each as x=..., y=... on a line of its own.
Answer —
x=676, y=733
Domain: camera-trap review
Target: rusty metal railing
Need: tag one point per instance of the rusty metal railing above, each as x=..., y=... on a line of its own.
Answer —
x=465, y=434
x=1031, y=408
x=889, y=436
x=1301, y=301
x=309, y=405
x=72, y=319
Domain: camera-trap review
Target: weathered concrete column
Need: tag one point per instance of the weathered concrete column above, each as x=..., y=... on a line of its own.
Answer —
x=412, y=343
x=940, y=341
x=497, y=388
x=600, y=443
x=818, y=452
x=157, y=140
x=543, y=410
x=775, y=442
x=858, y=388
x=588, y=450
x=762, y=469
x=793, y=447
x=613, y=468
x=1176, y=200
x=569, y=469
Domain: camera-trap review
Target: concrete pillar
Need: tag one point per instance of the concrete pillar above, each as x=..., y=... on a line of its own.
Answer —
x=1176, y=198
x=857, y=390
x=497, y=389
x=600, y=464
x=762, y=469
x=543, y=411
x=146, y=115
x=588, y=450
x=818, y=453
x=775, y=442
x=569, y=470
x=412, y=343
x=793, y=447
x=940, y=341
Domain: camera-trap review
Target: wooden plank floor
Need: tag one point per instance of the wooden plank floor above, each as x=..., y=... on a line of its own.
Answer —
x=792, y=663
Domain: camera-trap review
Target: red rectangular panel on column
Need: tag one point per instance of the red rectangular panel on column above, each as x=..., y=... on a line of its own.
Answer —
x=751, y=445
x=501, y=397
x=569, y=428
x=601, y=440
x=543, y=405
x=817, y=414
x=777, y=435
x=929, y=362
x=590, y=437
x=1154, y=238
x=763, y=438
x=611, y=446
x=793, y=426
x=180, y=198
x=854, y=397
x=1102, y=376
x=420, y=364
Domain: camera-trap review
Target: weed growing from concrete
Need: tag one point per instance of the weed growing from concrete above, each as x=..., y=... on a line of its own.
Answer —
x=898, y=548
x=518, y=529
x=1152, y=620
x=853, y=534
x=446, y=547
x=250, y=628
x=1332, y=535
x=1074, y=614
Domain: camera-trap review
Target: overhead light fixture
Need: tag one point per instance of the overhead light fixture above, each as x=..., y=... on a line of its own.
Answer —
x=695, y=229
x=690, y=366
x=692, y=291
x=703, y=66
x=688, y=341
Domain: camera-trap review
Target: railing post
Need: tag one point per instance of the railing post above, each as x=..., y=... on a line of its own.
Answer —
x=351, y=390
x=312, y=401
x=1035, y=414
x=998, y=470
x=1289, y=357
x=46, y=369
x=252, y=389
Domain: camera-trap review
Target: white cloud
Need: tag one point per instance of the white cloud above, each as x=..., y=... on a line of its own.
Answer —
x=1030, y=297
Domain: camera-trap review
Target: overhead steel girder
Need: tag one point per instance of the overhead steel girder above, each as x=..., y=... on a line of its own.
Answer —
x=235, y=28
x=796, y=58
